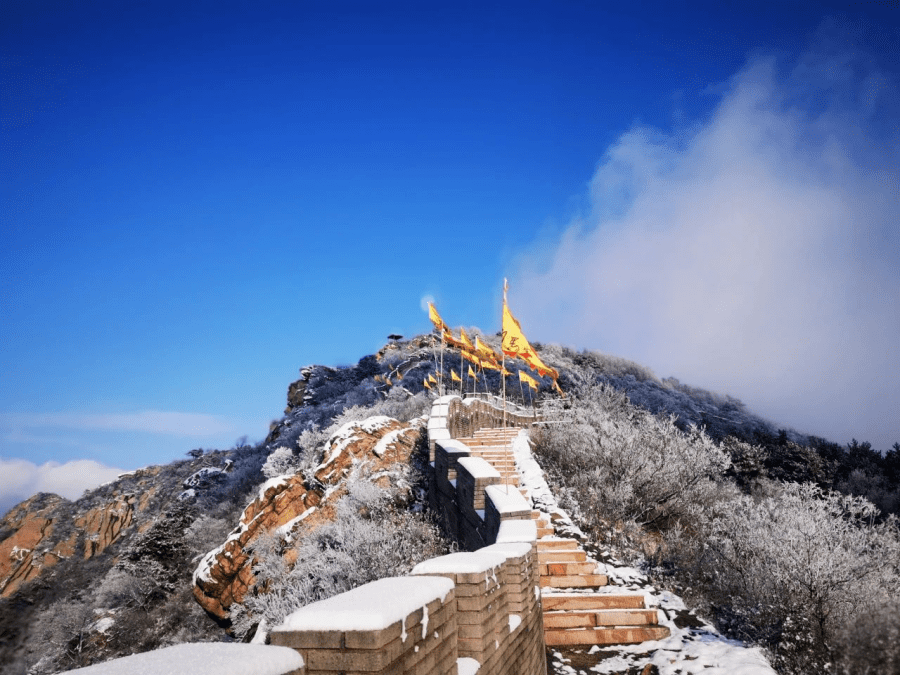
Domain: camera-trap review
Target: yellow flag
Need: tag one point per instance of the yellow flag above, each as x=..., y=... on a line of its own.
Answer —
x=556, y=386
x=489, y=365
x=452, y=341
x=465, y=340
x=387, y=381
x=471, y=372
x=527, y=379
x=514, y=342
x=534, y=362
x=454, y=377
x=486, y=351
x=468, y=356
x=431, y=378
x=436, y=319
x=425, y=382
x=505, y=372
x=516, y=345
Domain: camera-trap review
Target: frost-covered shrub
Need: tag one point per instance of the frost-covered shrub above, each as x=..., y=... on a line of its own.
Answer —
x=870, y=645
x=280, y=462
x=792, y=570
x=373, y=536
x=623, y=465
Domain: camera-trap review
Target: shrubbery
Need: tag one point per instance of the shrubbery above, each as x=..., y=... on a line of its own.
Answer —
x=794, y=567
x=624, y=467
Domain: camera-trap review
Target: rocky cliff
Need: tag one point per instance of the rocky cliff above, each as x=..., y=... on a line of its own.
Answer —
x=294, y=504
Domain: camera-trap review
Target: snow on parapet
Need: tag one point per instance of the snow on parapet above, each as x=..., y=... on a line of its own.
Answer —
x=516, y=531
x=373, y=606
x=478, y=467
x=473, y=562
x=510, y=549
x=205, y=658
x=506, y=498
x=451, y=445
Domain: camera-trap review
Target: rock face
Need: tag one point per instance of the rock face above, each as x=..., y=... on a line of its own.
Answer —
x=288, y=502
x=41, y=531
x=22, y=556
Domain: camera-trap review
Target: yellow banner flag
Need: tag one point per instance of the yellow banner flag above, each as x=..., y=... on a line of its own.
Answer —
x=425, y=382
x=472, y=372
x=505, y=372
x=465, y=340
x=431, y=379
x=469, y=356
x=514, y=343
x=489, y=365
x=556, y=386
x=453, y=342
x=436, y=319
x=485, y=350
x=527, y=379
x=534, y=362
x=454, y=377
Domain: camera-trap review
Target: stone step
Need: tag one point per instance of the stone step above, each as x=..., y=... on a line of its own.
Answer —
x=574, y=581
x=561, y=569
x=590, y=601
x=545, y=532
x=607, y=617
x=557, y=544
x=604, y=636
x=553, y=556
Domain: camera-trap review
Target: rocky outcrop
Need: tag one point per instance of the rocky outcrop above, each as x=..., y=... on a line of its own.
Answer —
x=24, y=553
x=104, y=524
x=288, y=503
x=38, y=533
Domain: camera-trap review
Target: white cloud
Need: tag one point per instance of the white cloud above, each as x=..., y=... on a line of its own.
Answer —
x=148, y=421
x=754, y=254
x=20, y=479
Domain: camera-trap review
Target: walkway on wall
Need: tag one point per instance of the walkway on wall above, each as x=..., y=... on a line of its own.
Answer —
x=577, y=608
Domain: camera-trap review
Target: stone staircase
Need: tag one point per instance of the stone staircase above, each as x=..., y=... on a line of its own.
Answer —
x=578, y=607
x=495, y=446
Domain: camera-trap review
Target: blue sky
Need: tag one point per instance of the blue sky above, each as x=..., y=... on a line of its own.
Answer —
x=197, y=199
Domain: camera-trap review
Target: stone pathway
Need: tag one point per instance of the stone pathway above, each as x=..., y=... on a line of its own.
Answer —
x=590, y=616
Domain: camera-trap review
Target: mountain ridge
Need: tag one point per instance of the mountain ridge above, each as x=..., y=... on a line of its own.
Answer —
x=136, y=541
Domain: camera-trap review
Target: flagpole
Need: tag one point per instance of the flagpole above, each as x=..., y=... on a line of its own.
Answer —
x=433, y=350
x=441, y=371
x=461, y=380
x=503, y=366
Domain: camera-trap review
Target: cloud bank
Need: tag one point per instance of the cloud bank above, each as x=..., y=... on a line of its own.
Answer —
x=756, y=254
x=20, y=479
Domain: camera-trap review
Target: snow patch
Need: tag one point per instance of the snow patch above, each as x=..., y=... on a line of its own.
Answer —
x=467, y=666
x=387, y=441
x=205, y=658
